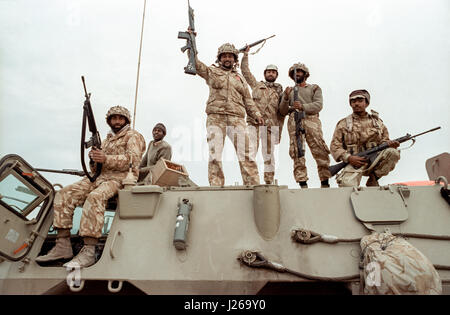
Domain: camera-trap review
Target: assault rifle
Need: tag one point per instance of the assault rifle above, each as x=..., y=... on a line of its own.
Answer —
x=94, y=140
x=298, y=118
x=255, y=43
x=371, y=153
x=190, y=43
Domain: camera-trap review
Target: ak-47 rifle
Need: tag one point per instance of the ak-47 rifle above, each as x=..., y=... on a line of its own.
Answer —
x=255, y=43
x=370, y=154
x=94, y=141
x=190, y=43
x=298, y=118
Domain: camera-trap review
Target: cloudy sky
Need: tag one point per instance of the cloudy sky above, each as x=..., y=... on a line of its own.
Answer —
x=398, y=50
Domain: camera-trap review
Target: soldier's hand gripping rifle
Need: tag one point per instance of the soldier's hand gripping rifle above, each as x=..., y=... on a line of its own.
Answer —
x=243, y=49
x=94, y=140
x=371, y=154
x=190, y=43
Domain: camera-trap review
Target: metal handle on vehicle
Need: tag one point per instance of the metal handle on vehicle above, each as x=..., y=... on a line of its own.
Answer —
x=117, y=289
x=111, y=252
x=73, y=288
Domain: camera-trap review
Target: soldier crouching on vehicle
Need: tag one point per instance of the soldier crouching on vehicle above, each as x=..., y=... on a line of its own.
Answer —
x=121, y=146
x=359, y=132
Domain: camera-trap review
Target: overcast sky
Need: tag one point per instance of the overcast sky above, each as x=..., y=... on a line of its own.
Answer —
x=398, y=50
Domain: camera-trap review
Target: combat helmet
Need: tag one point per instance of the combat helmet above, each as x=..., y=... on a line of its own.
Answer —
x=300, y=66
x=227, y=48
x=271, y=67
x=118, y=110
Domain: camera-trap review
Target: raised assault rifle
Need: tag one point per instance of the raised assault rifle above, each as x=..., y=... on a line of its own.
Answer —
x=255, y=43
x=95, y=140
x=369, y=154
x=190, y=43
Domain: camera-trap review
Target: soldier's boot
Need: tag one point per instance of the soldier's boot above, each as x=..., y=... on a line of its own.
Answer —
x=372, y=181
x=303, y=185
x=86, y=256
x=62, y=250
x=324, y=184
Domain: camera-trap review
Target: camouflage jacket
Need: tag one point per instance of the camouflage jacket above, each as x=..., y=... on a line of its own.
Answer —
x=119, y=148
x=266, y=96
x=156, y=151
x=228, y=92
x=355, y=134
x=310, y=95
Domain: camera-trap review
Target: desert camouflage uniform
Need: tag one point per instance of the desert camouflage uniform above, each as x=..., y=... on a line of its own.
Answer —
x=267, y=97
x=310, y=96
x=391, y=265
x=355, y=134
x=118, y=148
x=229, y=100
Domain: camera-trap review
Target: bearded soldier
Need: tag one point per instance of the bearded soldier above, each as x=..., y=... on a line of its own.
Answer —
x=267, y=95
x=228, y=103
x=123, y=146
x=310, y=102
x=359, y=132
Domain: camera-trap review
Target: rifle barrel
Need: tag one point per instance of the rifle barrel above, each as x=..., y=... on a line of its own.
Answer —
x=419, y=134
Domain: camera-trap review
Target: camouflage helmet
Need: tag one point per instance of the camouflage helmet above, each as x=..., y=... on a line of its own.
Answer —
x=300, y=66
x=118, y=110
x=227, y=48
x=271, y=67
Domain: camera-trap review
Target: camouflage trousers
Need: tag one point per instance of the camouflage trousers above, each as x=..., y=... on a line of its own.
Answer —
x=93, y=195
x=319, y=149
x=270, y=136
x=381, y=166
x=218, y=126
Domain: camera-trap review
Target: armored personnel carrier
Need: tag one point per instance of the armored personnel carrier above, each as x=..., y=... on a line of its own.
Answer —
x=179, y=238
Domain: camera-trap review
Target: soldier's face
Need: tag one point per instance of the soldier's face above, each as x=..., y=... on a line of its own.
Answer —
x=359, y=105
x=299, y=76
x=270, y=75
x=117, y=122
x=158, y=134
x=227, y=60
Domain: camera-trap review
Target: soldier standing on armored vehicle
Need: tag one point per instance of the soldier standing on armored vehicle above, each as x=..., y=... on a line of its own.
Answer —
x=356, y=133
x=308, y=102
x=123, y=146
x=157, y=149
x=267, y=95
x=229, y=100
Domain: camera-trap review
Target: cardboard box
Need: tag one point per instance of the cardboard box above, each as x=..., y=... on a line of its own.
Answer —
x=167, y=173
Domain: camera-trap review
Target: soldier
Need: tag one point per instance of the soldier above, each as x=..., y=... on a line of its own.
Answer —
x=310, y=102
x=121, y=147
x=229, y=100
x=157, y=149
x=358, y=132
x=267, y=95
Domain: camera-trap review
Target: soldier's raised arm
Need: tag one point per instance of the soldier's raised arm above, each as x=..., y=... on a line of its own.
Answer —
x=249, y=77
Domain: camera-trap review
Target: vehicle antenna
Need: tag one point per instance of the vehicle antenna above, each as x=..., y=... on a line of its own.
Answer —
x=139, y=64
